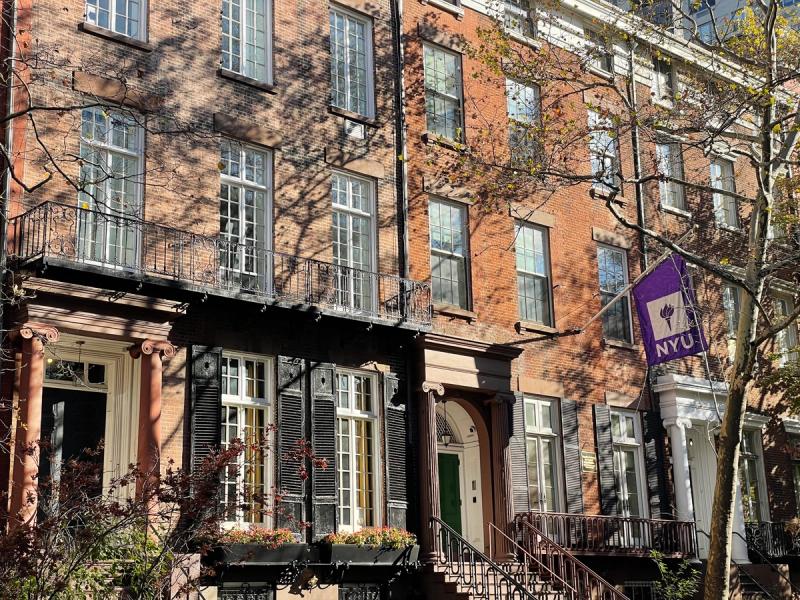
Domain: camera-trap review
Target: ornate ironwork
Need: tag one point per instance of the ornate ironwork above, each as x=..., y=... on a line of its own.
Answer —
x=247, y=591
x=773, y=539
x=360, y=591
x=131, y=247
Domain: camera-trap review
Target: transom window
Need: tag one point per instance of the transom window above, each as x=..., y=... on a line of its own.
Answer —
x=244, y=208
x=542, y=442
x=247, y=38
x=443, y=94
x=786, y=342
x=351, y=62
x=613, y=271
x=356, y=450
x=603, y=152
x=725, y=207
x=246, y=416
x=524, y=111
x=750, y=474
x=533, y=273
x=125, y=17
x=628, y=467
x=670, y=164
x=519, y=17
x=448, y=223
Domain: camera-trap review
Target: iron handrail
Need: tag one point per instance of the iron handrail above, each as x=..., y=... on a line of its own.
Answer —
x=734, y=561
x=461, y=559
x=795, y=590
x=589, y=583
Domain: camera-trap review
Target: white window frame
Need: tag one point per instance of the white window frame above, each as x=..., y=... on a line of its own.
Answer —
x=519, y=19
x=523, y=271
x=636, y=443
x=731, y=306
x=603, y=147
x=757, y=454
x=601, y=55
x=552, y=433
x=369, y=82
x=664, y=81
x=786, y=339
x=458, y=98
x=672, y=194
x=91, y=10
x=244, y=42
x=521, y=122
x=464, y=257
x=352, y=414
x=242, y=401
x=722, y=177
x=626, y=280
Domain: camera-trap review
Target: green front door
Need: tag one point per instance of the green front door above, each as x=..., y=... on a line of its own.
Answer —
x=450, y=490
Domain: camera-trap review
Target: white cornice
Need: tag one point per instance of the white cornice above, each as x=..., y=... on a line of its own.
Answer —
x=689, y=384
x=791, y=426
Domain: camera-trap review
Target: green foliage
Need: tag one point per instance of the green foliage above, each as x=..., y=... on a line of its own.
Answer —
x=376, y=537
x=680, y=582
x=271, y=538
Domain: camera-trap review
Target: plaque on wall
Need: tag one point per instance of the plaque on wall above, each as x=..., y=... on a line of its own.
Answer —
x=588, y=461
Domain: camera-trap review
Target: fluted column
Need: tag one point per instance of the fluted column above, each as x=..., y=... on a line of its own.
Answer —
x=25, y=465
x=501, y=474
x=149, y=449
x=677, y=427
x=428, y=467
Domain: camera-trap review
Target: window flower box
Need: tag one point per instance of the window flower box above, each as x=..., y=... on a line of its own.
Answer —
x=258, y=546
x=372, y=546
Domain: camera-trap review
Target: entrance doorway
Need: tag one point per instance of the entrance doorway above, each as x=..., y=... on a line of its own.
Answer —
x=450, y=489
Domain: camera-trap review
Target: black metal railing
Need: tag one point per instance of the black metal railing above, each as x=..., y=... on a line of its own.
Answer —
x=473, y=571
x=129, y=246
x=774, y=539
x=603, y=534
x=756, y=555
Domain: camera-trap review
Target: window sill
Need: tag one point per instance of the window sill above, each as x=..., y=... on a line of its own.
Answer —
x=675, y=211
x=456, y=312
x=254, y=83
x=620, y=344
x=116, y=37
x=533, y=327
x=352, y=116
x=457, y=11
x=730, y=228
x=601, y=193
x=433, y=139
x=600, y=72
x=533, y=43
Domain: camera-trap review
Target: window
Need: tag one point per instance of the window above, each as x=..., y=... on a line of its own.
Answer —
x=533, y=274
x=244, y=209
x=247, y=38
x=519, y=18
x=613, y=270
x=356, y=450
x=524, y=109
x=125, y=17
x=601, y=56
x=750, y=475
x=448, y=222
x=731, y=304
x=628, y=472
x=443, y=96
x=786, y=342
x=246, y=403
x=705, y=32
x=726, y=212
x=351, y=62
x=110, y=199
x=542, y=441
x=603, y=152
x=352, y=240
x=663, y=80
x=670, y=164
x=794, y=454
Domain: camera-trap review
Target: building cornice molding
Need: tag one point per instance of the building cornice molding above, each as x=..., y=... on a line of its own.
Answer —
x=447, y=343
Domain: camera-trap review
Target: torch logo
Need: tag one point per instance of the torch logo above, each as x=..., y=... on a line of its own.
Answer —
x=668, y=316
x=666, y=313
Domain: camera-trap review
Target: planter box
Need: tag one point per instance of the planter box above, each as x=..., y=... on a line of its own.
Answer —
x=244, y=554
x=365, y=555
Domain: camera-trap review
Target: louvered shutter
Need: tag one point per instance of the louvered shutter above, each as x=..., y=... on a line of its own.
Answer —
x=206, y=401
x=654, y=465
x=323, y=443
x=397, y=453
x=605, y=459
x=519, y=457
x=291, y=430
x=573, y=479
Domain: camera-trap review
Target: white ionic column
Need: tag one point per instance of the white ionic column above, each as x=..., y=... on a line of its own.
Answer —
x=676, y=426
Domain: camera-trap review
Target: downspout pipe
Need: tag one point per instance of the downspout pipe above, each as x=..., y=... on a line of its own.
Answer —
x=401, y=174
x=637, y=160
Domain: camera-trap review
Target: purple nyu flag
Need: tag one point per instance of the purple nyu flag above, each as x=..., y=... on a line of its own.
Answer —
x=665, y=302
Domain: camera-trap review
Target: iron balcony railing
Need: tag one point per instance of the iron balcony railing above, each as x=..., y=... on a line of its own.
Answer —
x=602, y=534
x=773, y=539
x=130, y=247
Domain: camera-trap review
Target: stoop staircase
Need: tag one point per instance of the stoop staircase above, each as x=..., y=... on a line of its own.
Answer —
x=541, y=570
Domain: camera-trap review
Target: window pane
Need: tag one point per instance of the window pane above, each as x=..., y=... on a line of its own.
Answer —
x=245, y=38
x=448, y=253
x=442, y=92
x=613, y=273
x=350, y=44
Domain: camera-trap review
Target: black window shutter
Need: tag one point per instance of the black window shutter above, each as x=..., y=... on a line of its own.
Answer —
x=206, y=401
x=519, y=457
x=605, y=459
x=291, y=430
x=573, y=478
x=654, y=465
x=397, y=453
x=323, y=443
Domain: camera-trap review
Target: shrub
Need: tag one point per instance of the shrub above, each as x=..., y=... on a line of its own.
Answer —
x=376, y=537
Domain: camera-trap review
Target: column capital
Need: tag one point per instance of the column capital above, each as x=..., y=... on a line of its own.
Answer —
x=40, y=331
x=680, y=422
x=161, y=347
x=433, y=387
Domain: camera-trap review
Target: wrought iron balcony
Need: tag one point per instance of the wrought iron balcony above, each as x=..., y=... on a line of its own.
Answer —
x=778, y=539
x=608, y=535
x=66, y=235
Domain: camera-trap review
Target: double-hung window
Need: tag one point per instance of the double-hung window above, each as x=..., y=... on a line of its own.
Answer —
x=353, y=210
x=603, y=152
x=519, y=18
x=786, y=343
x=663, y=80
x=533, y=274
x=750, y=474
x=524, y=110
x=448, y=223
x=726, y=212
x=542, y=444
x=357, y=450
x=612, y=266
x=247, y=38
x=670, y=165
x=111, y=172
x=731, y=304
x=601, y=56
x=443, y=92
x=125, y=17
x=246, y=416
x=626, y=433
x=244, y=209
x=351, y=62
